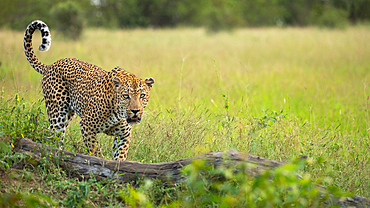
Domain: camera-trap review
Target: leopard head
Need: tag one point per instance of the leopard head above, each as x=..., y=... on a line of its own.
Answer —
x=132, y=94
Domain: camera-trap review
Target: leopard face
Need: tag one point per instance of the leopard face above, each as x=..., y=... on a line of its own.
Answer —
x=132, y=95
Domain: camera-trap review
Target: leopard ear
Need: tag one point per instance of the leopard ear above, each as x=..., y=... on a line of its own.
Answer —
x=149, y=82
x=116, y=81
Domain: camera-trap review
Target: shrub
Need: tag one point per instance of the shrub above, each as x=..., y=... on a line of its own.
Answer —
x=67, y=19
x=332, y=18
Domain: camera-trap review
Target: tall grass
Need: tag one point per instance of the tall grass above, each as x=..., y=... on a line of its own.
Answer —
x=274, y=92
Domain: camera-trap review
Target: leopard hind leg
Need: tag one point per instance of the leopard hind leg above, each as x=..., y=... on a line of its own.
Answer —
x=57, y=101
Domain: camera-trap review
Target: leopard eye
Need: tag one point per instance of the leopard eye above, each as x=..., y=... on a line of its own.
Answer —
x=126, y=96
x=142, y=96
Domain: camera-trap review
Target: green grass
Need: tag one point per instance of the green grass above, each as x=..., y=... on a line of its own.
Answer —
x=273, y=92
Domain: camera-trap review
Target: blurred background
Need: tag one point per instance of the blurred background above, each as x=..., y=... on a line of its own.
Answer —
x=214, y=15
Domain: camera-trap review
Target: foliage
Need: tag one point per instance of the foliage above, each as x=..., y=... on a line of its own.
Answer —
x=7, y=157
x=67, y=19
x=228, y=186
x=21, y=119
x=215, y=15
x=273, y=188
x=268, y=119
x=221, y=15
x=78, y=196
x=331, y=18
x=25, y=200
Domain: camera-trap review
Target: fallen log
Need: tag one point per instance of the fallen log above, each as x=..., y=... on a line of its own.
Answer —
x=85, y=166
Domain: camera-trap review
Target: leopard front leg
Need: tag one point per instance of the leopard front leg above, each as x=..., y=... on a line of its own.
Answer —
x=120, y=148
x=89, y=137
x=122, y=138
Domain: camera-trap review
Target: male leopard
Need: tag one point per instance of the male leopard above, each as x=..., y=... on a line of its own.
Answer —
x=108, y=102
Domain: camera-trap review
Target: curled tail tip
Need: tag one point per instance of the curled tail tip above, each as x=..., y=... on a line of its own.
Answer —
x=45, y=33
x=45, y=47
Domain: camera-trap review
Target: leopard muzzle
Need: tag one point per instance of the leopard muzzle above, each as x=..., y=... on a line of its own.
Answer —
x=134, y=118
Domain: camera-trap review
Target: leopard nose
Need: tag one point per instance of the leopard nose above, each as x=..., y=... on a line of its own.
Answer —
x=135, y=111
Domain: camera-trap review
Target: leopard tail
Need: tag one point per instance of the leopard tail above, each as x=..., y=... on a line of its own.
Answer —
x=28, y=49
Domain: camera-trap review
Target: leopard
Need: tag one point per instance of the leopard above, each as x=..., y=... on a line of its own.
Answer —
x=109, y=102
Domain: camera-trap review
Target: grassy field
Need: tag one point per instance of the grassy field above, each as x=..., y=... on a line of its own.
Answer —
x=273, y=92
